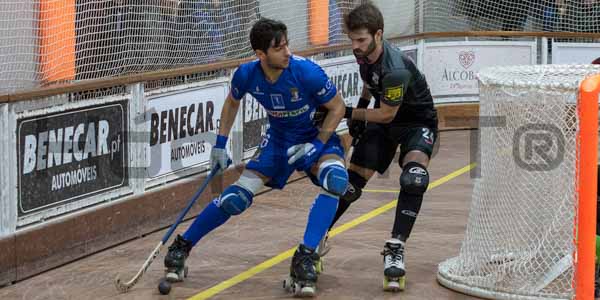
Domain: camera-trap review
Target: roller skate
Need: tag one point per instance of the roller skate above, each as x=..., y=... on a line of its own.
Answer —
x=303, y=274
x=324, y=246
x=393, y=260
x=175, y=260
x=322, y=249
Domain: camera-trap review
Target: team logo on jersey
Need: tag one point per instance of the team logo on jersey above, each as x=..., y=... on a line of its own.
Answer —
x=394, y=93
x=295, y=94
x=375, y=79
x=277, y=101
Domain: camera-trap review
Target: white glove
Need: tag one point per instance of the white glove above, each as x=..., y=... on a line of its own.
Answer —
x=304, y=155
x=219, y=157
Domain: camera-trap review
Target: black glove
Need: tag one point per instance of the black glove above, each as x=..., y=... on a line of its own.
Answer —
x=357, y=128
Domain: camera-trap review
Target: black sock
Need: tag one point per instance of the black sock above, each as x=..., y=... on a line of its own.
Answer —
x=406, y=214
x=358, y=182
x=341, y=209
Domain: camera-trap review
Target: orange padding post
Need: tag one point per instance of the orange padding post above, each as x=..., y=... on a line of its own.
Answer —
x=57, y=40
x=587, y=179
x=318, y=26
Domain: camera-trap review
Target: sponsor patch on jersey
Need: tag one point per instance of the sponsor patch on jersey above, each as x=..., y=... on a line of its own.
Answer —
x=277, y=101
x=288, y=113
x=394, y=93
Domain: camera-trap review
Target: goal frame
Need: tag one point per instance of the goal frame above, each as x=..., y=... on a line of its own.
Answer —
x=582, y=259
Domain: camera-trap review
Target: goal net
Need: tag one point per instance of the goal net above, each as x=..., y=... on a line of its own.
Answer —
x=44, y=42
x=523, y=15
x=520, y=242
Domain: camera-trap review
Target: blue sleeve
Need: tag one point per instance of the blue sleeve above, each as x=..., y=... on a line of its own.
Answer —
x=317, y=83
x=239, y=82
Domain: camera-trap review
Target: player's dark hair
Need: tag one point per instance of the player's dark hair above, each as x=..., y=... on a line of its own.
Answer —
x=596, y=61
x=365, y=16
x=264, y=31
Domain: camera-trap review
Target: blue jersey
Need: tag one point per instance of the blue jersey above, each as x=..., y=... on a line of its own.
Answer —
x=291, y=101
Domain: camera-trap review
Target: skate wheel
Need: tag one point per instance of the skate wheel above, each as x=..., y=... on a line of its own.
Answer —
x=296, y=289
x=319, y=266
x=172, y=277
x=390, y=285
x=402, y=283
x=393, y=284
x=306, y=291
x=287, y=284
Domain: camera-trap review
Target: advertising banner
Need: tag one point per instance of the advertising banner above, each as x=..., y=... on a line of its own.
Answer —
x=575, y=53
x=255, y=124
x=344, y=73
x=69, y=155
x=451, y=68
x=183, y=125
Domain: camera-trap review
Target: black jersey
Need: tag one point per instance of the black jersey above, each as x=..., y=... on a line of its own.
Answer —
x=395, y=80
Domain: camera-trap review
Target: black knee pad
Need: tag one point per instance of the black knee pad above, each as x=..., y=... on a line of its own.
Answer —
x=352, y=193
x=414, y=179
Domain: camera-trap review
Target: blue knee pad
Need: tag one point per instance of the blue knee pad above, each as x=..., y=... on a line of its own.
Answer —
x=333, y=177
x=234, y=200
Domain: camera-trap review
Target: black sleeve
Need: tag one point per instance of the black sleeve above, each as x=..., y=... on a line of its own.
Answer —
x=394, y=85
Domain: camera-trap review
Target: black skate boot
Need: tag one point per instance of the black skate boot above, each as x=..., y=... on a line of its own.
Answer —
x=175, y=259
x=303, y=274
x=393, y=261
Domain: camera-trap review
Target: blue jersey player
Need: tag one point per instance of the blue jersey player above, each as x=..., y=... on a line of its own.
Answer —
x=290, y=88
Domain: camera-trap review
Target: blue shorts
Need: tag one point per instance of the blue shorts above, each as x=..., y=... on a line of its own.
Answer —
x=271, y=159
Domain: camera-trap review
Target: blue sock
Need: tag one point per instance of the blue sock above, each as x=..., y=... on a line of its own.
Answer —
x=319, y=218
x=210, y=218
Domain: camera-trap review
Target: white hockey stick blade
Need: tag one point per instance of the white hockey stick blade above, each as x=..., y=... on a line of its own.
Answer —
x=124, y=287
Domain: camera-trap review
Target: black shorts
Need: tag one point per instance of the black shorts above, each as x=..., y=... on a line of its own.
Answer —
x=376, y=148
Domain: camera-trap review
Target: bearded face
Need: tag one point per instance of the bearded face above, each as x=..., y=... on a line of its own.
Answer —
x=363, y=44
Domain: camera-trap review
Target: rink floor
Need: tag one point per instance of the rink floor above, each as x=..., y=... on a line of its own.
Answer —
x=247, y=259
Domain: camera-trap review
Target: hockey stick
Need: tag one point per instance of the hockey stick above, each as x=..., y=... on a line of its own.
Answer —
x=124, y=287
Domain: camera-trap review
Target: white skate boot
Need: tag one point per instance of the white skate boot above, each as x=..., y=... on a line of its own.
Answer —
x=393, y=261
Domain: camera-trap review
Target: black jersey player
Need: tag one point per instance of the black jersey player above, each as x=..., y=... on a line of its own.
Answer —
x=403, y=115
